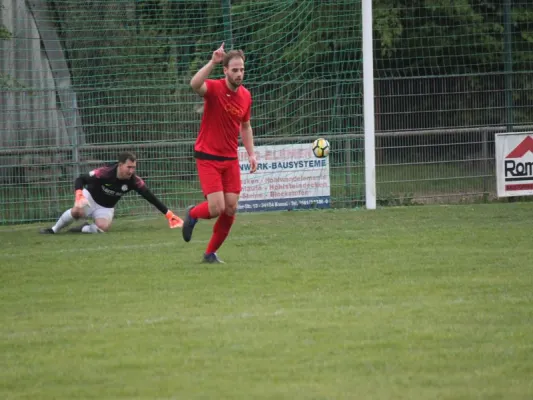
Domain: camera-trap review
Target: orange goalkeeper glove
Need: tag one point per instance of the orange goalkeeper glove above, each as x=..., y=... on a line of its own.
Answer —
x=173, y=220
x=81, y=200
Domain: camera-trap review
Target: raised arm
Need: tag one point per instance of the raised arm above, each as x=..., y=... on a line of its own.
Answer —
x=198, y=80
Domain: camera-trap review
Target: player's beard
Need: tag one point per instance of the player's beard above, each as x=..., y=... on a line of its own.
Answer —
x=234, y=84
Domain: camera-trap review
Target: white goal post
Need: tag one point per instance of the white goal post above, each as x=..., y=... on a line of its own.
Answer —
x=368, y=101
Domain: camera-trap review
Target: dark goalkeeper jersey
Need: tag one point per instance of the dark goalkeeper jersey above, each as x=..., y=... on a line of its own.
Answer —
x=106, y=189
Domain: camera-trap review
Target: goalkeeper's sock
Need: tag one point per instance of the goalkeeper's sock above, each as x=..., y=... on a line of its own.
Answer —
x=65, y=220
x=92, y=228
x=220, y=232
x=201, y=211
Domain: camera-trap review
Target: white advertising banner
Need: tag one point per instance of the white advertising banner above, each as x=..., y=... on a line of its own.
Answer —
x=288, y=177
x=514, y=164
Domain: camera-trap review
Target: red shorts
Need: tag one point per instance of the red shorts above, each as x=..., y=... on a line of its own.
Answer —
x=219, y=176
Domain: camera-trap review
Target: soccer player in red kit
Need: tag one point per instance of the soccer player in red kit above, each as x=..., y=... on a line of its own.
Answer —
x=227, y=106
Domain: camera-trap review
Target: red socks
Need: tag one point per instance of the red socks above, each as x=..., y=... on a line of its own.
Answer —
x=201, y=211
x=220, y=231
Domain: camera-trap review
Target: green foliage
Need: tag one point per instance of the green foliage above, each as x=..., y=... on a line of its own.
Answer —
x=458, y=44
x=303, y=60
x=5, y=81
x=458, y=37
x=4, y=33
x=397, y=200
x=388, y=27
x=8, y=82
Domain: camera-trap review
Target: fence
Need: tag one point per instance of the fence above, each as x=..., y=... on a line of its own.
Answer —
x=80, y=81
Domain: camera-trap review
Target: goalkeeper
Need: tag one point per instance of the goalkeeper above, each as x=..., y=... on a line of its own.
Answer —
x=99, y=191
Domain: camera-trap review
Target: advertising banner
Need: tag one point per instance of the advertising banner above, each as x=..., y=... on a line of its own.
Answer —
x=288, y=177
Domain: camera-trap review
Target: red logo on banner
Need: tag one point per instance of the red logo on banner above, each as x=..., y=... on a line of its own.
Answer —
x=522, y=148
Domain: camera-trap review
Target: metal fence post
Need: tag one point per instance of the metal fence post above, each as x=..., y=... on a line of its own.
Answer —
x=348, y=178
x=75, y=141
x=226, y=15
x=485, y=155
x=508, y=64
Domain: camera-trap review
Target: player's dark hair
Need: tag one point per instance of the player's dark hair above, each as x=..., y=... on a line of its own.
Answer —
x=125, y=156
x=231, y=55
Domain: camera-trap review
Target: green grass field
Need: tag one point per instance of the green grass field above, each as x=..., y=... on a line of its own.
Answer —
x=431, y=302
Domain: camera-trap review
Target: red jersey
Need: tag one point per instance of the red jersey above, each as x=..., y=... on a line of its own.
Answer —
x=224, y=112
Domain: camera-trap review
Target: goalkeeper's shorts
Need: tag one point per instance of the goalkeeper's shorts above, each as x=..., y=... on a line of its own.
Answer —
x=94, y=210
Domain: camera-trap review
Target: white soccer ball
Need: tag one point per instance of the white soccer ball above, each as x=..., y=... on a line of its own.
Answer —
x=321, y=148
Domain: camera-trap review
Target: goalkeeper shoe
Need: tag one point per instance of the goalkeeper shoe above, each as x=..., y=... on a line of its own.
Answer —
x=47, y=231
x=212, y=258
x=188, y=225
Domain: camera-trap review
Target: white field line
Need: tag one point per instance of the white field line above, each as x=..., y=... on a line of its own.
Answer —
x=176, y=242
x=36, y=226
